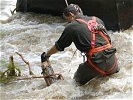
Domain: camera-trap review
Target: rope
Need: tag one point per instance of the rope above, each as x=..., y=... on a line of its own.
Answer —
x=66, y=2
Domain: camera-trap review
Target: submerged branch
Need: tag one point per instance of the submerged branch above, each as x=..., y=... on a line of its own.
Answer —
x=33, y=77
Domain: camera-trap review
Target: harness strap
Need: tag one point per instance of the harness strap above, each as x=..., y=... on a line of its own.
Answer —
x=101, y=71
x=93, y=37
x=91, y=24
x=104, y=36
x=98, y=49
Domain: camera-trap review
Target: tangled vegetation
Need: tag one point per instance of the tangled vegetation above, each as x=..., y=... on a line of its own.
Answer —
x=11, y=72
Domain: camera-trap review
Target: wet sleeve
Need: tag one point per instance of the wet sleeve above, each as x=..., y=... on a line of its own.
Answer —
x=65, y=39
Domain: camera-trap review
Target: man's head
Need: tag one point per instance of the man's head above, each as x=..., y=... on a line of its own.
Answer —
x=71, y=12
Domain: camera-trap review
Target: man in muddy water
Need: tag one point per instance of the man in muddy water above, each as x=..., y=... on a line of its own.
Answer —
x=90, y=37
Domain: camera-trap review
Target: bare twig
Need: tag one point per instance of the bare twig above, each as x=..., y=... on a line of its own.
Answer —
x=50, y=76
x=26, y=78
x=12, y=12
x=30, y=72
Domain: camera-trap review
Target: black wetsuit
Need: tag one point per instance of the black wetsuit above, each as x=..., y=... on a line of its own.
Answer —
x=79, y=33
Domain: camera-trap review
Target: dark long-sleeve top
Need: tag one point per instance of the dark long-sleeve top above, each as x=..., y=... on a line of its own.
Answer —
x=79, y=33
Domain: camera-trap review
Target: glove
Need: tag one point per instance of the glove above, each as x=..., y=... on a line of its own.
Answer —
x=44, y=57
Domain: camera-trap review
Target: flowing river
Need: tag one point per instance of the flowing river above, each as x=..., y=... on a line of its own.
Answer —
x=31, y=34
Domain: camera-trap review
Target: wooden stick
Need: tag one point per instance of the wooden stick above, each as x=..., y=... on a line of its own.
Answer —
x=30, y=72
x=50, y=76
x=26, y=78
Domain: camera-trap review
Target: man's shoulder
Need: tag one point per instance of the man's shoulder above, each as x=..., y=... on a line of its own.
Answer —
x=72, y=24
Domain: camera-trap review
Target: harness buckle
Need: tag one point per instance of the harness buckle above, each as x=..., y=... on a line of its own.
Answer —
x=84, y=56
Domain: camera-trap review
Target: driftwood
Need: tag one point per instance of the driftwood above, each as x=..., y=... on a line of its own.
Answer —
x=30, y=72
x=49, y=75
x=33, y=77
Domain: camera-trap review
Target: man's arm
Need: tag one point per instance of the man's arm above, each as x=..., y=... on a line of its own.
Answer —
x=52, y=50
x=45, y=56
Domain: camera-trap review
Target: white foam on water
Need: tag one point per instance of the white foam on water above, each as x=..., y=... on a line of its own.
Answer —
x=5, y=7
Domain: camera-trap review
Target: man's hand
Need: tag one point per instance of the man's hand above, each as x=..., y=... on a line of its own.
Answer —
x=44, y=57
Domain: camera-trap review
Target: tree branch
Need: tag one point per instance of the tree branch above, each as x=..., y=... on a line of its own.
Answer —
x=30, y=72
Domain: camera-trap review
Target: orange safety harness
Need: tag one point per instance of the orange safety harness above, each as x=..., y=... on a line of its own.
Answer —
x=91, y=24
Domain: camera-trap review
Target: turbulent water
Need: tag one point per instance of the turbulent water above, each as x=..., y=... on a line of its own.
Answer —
x=31, y=34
